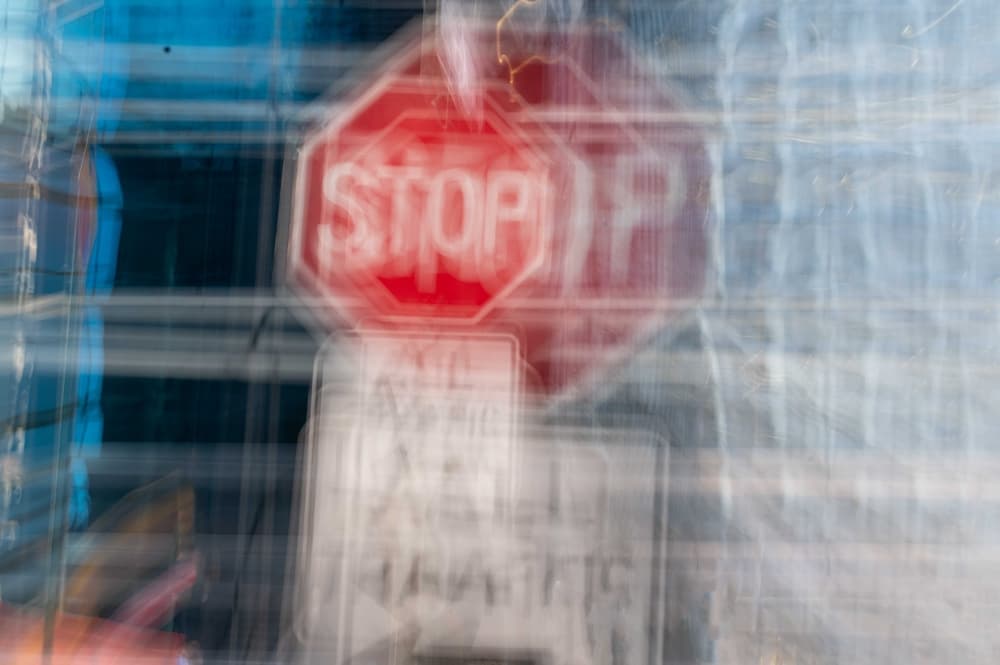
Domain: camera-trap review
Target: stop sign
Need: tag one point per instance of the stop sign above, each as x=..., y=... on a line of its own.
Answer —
x=531, y=177
x=415, y=207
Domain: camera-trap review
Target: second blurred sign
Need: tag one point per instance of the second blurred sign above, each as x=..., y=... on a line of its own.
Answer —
x=433, y=532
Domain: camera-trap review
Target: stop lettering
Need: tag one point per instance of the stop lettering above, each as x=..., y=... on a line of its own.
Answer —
x=392, y=221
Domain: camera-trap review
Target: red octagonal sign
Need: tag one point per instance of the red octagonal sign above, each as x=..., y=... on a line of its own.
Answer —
x=547, y=169
x=416, y=208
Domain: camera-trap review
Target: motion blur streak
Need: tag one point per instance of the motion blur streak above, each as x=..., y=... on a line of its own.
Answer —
x=782, y=452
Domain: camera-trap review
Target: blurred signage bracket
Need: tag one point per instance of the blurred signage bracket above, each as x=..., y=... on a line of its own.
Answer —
x=437, y=529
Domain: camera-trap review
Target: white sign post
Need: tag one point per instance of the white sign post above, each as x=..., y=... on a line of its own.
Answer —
x=440, y=531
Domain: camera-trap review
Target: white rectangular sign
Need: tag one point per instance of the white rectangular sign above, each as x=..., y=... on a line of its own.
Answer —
x=437, y=534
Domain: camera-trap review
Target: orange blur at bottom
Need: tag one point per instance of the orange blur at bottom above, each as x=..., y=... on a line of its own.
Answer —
x=80, y=640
